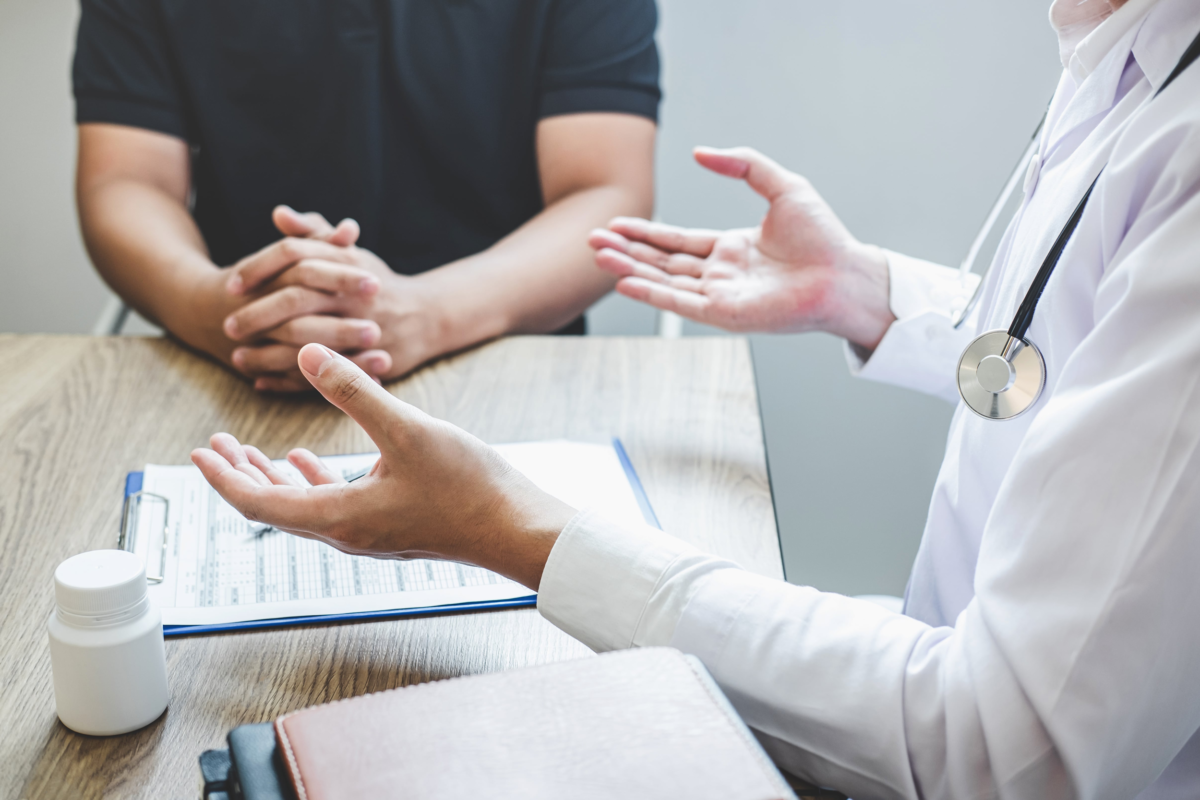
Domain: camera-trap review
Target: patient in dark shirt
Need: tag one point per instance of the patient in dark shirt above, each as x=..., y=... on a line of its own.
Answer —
x=466, y=148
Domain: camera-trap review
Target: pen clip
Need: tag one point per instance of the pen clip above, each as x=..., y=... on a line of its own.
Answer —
x=126, y=540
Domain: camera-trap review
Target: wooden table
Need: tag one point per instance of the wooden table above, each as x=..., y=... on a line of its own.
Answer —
x=77, y=413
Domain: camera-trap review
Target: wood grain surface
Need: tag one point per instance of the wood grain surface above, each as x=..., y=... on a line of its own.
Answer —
x=78, y=413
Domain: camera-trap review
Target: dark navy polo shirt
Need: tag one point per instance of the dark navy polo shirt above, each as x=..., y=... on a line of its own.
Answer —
x=415, y=117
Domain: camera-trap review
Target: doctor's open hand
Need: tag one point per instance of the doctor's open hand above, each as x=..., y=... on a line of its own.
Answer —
x=800, y=270
x=436, y=491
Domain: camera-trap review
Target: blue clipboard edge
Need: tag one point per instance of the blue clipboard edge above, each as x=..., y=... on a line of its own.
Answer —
x=358, y=616
x=133, y=484
x=636, y=483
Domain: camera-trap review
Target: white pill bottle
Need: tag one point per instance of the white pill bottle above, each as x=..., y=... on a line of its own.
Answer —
x=106, y=645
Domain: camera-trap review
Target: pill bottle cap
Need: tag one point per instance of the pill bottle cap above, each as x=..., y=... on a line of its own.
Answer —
x=99, y=583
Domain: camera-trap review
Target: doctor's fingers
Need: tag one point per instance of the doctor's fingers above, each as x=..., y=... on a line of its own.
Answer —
x=674, y=263
x=623, y=266
x=684, y=303
x=260, y=267
x=326, y=276
x=312, y=468
x=272, y=310
x=692, y=241
x=273, y=473
x=295, y=509
x=230, y=449
x=765, y=176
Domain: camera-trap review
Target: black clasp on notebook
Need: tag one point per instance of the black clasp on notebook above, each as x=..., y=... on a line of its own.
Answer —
x=214, y=768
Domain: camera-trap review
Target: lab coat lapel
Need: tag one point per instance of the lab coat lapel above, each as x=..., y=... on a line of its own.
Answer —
x=1095, y=96
x=1161, y=40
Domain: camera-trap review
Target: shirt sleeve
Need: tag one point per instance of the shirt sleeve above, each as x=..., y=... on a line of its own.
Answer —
x=1072, y=671
x=921, y=349
x=601, y=56
x=122, y=72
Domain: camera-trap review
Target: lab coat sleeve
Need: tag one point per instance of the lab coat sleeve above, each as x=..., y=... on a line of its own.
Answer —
x=818, y=677
x=921, y=348
x=1073, y=671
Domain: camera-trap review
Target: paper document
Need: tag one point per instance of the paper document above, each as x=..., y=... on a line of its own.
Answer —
x=216, y=571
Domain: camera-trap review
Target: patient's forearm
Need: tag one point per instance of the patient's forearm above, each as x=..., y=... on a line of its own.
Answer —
x=538, y=278
x=147, y=248
x=592, y=167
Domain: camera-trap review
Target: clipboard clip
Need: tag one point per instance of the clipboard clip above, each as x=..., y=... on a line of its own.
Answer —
x=126, y=540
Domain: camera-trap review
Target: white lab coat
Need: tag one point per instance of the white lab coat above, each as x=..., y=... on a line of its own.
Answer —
x=1051, y=642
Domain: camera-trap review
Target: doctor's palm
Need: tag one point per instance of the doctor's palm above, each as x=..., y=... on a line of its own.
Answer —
x=800, y=270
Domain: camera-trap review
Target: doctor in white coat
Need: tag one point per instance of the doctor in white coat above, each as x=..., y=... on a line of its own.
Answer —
x=1050, y=642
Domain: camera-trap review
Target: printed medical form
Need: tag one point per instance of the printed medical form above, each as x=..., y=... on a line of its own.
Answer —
x=216, y=570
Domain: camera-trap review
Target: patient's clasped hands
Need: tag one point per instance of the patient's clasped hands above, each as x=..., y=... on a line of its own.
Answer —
x=316, y=286
x=800, y=270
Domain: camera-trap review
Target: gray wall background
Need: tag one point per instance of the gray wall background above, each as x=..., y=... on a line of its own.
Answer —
x=46, y=282
x=906, y=115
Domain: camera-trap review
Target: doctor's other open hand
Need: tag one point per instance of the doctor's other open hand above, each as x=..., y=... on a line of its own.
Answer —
x=436, y=491
x=799, y=270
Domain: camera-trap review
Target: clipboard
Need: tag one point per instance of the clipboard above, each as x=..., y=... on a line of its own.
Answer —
x=135, y=497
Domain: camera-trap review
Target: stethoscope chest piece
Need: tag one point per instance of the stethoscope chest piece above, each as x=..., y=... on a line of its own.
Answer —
x=1001, y=376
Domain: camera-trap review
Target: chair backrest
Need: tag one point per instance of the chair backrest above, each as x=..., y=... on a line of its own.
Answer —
x=112, y=319
x=669, y=325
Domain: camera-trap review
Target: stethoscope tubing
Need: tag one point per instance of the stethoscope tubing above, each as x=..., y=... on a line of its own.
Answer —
x=989, y=224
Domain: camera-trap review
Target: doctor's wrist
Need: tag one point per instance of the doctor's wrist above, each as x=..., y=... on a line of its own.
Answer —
x=530, y=528
x=862, y=310
x=510, y=530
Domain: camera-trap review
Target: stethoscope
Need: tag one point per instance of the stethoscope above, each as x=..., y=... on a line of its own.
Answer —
x=1001, y=374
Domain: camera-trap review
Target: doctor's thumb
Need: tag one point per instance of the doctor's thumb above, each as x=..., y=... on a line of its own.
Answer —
x=765, y=176
x=343, y=384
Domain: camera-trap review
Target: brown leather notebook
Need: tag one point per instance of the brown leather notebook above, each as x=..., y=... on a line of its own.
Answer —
x=633, y=724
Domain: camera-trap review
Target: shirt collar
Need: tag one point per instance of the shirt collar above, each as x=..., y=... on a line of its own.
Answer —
x=1080, y=98
x=1090, y=52
x=1073, y=20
